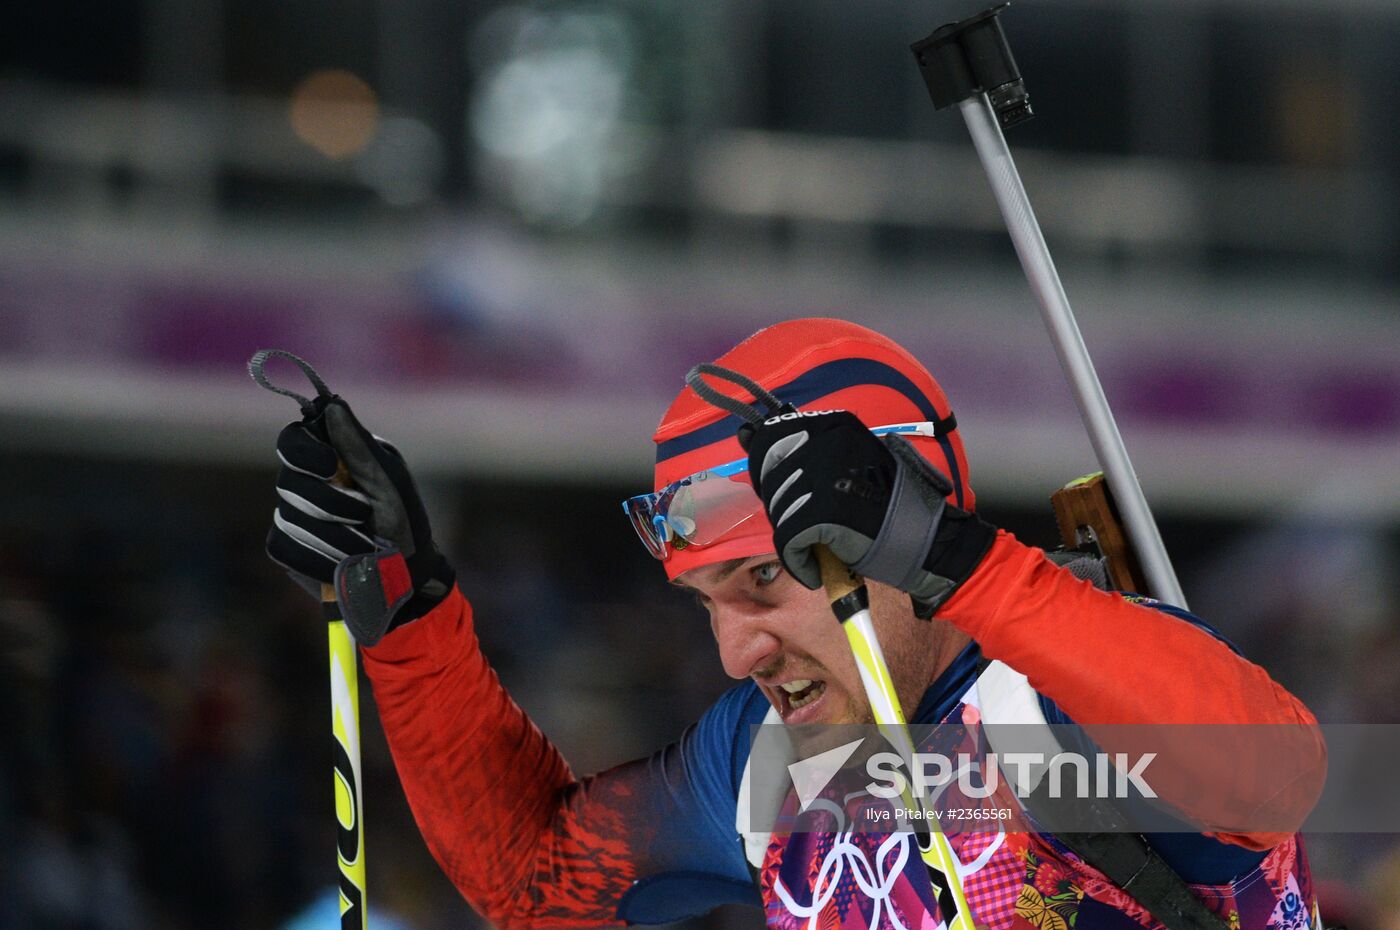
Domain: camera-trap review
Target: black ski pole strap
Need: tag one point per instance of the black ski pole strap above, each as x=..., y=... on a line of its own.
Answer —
x=258, y=363
x=746, y=412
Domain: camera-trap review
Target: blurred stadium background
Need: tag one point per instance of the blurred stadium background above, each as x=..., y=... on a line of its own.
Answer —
x=504, y=231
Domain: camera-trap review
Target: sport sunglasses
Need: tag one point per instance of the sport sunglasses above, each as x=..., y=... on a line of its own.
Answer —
x=706, y=506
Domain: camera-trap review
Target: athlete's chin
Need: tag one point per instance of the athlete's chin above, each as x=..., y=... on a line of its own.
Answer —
x=847, y=709
x=845, y=713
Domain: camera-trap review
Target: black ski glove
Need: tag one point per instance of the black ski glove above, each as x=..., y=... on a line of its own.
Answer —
x=372, y=541
x=878, y=505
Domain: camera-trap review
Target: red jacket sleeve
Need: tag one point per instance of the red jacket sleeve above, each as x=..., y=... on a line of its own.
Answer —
x=1108, y=661
x=496, y=802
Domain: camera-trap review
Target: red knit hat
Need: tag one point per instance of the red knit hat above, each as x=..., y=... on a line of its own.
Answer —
x=813, y=364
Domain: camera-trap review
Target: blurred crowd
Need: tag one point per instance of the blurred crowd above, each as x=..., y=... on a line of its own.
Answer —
x=164, y=745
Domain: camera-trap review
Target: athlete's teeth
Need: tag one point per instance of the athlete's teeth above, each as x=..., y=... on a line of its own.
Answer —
x=801, y=684
x=807, y=698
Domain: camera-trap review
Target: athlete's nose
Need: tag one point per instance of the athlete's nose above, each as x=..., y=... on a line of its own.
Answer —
x=745, y=643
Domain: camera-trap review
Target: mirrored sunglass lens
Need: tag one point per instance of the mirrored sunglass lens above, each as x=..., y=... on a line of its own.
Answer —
x=710, y=506
x=640, y=512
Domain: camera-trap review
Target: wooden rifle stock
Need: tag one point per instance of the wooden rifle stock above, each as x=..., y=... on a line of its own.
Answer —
x=1089, y=522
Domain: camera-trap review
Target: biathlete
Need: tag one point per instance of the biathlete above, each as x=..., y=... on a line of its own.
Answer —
x=876, y=471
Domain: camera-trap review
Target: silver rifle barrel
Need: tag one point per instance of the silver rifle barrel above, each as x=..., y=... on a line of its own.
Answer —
x=1069, y=345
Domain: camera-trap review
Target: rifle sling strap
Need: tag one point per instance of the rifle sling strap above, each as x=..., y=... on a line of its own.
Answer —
x=1131, y=864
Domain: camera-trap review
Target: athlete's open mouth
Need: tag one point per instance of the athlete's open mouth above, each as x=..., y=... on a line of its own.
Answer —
x=799, y=693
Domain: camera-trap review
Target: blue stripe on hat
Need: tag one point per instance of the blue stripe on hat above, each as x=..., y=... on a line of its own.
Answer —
x=819, y=382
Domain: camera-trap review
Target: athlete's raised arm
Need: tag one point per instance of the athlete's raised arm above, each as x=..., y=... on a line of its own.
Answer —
x=523, y=839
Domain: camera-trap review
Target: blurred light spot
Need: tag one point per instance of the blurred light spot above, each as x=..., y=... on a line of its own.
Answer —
x=549, y=111
x=334, y=112
x=540, y=102
x=404, y=163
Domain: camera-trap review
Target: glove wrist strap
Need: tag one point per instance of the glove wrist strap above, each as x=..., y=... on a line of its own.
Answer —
x=376, y=592
x=911, y=522
x=370, y=589
x=962, y=542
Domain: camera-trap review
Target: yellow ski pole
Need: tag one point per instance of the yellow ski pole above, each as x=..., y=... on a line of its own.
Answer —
x=851, y=604
x=345, y=696
x=349, y=801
